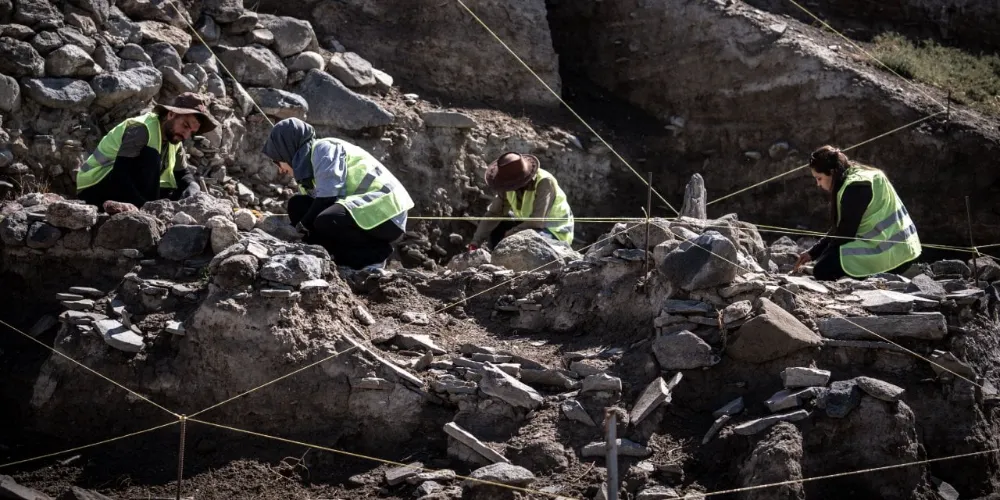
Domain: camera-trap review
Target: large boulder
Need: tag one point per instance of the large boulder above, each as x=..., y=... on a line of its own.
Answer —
x=255, y=65
x=292, y=269
x=683, y=351
x=153, y=32
x=60, y=93
x=772, y=334
x=708, y=261
x=331, y=103
x=140, y=84
x=291, y=35
x=775, y=459
x=224, y=11
x=528, y=251
x=35, y=12
x=204, y=206
x=71, y=215
x=130, y=230
x=70, y=60
x=351, y=69
x=183, y=242
x=19, y=59
x=101, y=9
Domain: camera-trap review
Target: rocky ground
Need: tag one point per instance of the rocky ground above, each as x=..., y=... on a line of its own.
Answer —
x=724, y=370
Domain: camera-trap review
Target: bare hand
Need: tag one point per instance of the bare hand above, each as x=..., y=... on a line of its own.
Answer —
x=803, y=259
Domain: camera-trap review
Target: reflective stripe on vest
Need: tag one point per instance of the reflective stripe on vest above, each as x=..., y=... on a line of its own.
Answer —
x=374, y=195
x=887, y=237
x=562, y=224
x=102, y=160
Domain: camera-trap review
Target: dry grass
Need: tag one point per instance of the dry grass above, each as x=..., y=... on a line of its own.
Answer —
x=973, y=80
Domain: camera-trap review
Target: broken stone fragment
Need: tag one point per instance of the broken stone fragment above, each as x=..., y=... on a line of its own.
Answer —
x=549, y=378
x=800, y=376
x=754, y=426
x=716, y=426
x=292, y=269
x=415, y=318
x=773, y=334
x=732, y=408
x=601, y=382
x=786, y=399
x=502, y=473
x=656, y=393
x=951, y=365
x=807, y=283
x=175, y=327
x=880, y=389
x=683, y=351
x=923, y=326
x=78, y=305
x=119, y=336
x=575, y=411
x=736, y=311
x=466, y=438
x=398, y=475
x=10, y=489
x=499, y=384
x=443, y=475
x=363, y=316
x=419, y=343
x=71, y=215
x=889, y=302
x=844, y=396
x=658, y=492
x=626, y=448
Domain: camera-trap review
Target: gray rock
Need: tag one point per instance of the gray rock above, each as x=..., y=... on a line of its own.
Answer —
x=754, y=426
x=42, y=236
x=101, y=9
x=397, y=475
x=203, y=57
x=119, y=336
x=47, y=41
x=174, y=79
x=500, y=473
x=844, y=396
x=799, y=376
x=71, y=215
x=73, y=36
x=291, y=35
x=951, y=267
x=464, y=437
x=154, y=32
x=945, y=363
x=130, y=230
x=237, y=271
x=106, y=58
x=135, y=85
x=736, y=311
x=529, y=251
x=657, y=493
x=122, y=27
x=807, y=283
x=59, y=93
x=655, y=394
x=162, y=55
x=244, y=24
x=549, y=378
x=686, y=307
x=697, y=264
x=289, y=269
x=924, y=326
x=75, y=493
x=601, y=382
x=204, y=206
x=888, y=301
x=575, y=411
x=181, y=243
x=331, y=103
x=924, y=286
x=732, y=408
x=15, y=31
x=497, y=383
x=10, y=96
x=78, y=305
x=70, y=60
x=773, y=334
x=209, y=30
x=134, y=52
x=255, y=66
x=224, y=11
x=305, y=62
x=260, y=36
x=880, y=389
x=626, y=448
x=35, y=12
x=469, y=260
x=280, y=104
x=683, y=351
x=224, y=233
x=419, y=343
x=195, y=73
x=447, y=119
x=351, y=69
x=19, y=59
x=695, y=199
x=86, y=291
x=279, y=227
x=786, y=399
x=9, y=489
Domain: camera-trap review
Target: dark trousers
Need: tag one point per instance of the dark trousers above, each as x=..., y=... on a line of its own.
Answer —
x=131, y=180
x=332, y=227
x=828, y=268
x=497, y=234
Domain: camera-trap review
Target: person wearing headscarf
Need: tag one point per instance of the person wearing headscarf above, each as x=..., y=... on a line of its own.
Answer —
x=525, y=191
x=141, y=159
x=872, y=230
x=350, y=204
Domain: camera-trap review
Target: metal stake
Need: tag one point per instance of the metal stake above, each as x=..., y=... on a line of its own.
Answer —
x=972, y=242
x=649, y=209
x=611, y=458
x=180, y=456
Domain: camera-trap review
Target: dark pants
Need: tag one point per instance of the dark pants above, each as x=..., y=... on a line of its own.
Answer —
x=131, y=180
x=828, y=268
x=334, y=229
x=497, y=234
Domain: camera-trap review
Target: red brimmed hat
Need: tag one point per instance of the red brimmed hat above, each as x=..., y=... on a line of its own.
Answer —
x=511, y=171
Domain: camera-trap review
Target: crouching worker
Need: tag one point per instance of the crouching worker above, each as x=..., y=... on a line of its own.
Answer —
x=141, y=159
x=524, y=191
x=352, y=205
x=872, y=232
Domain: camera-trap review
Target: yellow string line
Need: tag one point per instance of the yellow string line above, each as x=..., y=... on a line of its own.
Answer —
x=872, y=57
x=700, y=496
x=375, y=459
x=796, y=169
x=85, y=367
x=570, y=108
x=236, y=82
x=304, y=368
x=78, y=448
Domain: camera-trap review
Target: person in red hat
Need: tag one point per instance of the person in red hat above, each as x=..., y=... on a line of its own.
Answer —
x=530, y=195
x=141, y=159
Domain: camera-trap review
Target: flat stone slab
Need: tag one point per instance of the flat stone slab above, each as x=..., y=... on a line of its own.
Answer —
x=78, y=305
x=601, y=382
x=786, y=399
x=626, y=448
x=806, y=283
x=549, y=378
x=466, y=438
x=889, y=302
x=880, y=389
x=398, y=475
x=419, y=343
x=686, y=307
x=655, y=394
x=119, y=336
x=9, y=489
x=754, y=426
x=923, y=326
x=801, y=376
x=499, y=384
x=175, y=327
x=574, y=411
x=732, y=408
x=719, y=422
x=86, y=291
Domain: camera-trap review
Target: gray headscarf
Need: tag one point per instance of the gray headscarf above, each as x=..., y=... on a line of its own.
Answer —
x=290, y=142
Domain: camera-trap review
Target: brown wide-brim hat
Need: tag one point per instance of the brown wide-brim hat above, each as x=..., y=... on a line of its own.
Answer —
x=190, y=103
x=511, y=171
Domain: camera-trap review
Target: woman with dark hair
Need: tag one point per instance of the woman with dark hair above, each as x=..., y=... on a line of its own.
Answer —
x=872, y=231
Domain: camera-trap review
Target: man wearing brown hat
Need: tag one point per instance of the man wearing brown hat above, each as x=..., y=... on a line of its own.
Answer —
x=524, y=191
x=141, y=159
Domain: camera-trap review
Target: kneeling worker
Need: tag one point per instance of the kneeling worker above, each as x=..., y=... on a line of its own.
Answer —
x=524, y=191
x=352, y=206
x=872, y=233
x=141, y=159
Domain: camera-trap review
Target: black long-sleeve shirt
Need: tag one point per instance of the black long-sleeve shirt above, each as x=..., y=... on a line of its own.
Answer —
x=857, y=196
x=134, y=140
